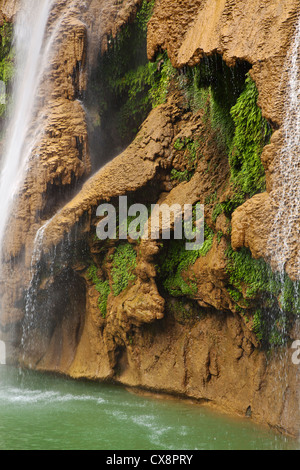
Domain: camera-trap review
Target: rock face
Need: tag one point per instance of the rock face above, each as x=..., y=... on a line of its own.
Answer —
x=232, y=34
x=9, y=8
x=59, y=158
x=202, y=337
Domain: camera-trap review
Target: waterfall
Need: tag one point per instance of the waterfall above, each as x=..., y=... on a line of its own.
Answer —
x=29, y=34
x=285, y=233
x=31, y=61
x=284, y=237
x=31, y=296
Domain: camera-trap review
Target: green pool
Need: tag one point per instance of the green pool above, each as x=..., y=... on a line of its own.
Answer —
x=45, y=412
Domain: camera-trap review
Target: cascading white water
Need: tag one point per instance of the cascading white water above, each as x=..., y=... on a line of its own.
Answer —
x=33, y=287
x=284, y=237
x=285, y=233
x=29, y=35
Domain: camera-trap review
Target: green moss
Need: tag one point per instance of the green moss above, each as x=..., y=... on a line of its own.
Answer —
x=181, y=176
x=6, y=62
x=214, y=87
x=162, y=73
x=174, y=260
x=219, y=236
x=211, y=198
x=252, y=281
x=244, y=142
x=123, y=266
x=144, y=15
x=6, y=53
x=183, y=310
x=102, y=287
x=218, y=210
x=249, y=276
x=252, y=133
x=125, y=85
x=258, y=326
x=190, y=147
x=228, y=97
x=228, y=207
x=243, y=133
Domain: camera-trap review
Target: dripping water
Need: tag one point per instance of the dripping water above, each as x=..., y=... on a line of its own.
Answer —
x=31, y=61
x=36, y=36
x=284, y=239
x=29, y=35
x=31, y=296
x=287, y=198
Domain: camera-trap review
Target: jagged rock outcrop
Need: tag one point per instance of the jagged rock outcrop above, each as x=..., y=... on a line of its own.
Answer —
x=8, y=9
x=204, y=340
x=261, y=34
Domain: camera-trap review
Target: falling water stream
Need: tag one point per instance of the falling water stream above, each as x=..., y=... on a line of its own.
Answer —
x=30, y=29
x=285, y=233
x=284, y=237
x=31, y=61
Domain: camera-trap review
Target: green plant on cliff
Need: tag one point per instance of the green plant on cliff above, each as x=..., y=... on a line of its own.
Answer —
x=123, y=266
x=245, y=135
x=227, y=207
x=175, y=260
x=6, y=60
x=228, y=96
x=190, y=148
x=183, y=310
x=258, y=325
x=251, y=281
x=144, y=87
x=102, y=287
x=125, y=84
x=6, y=52
x=252, y=133
x=214, y=87
x=161, y=74
x=249, y=276
x=144, y=14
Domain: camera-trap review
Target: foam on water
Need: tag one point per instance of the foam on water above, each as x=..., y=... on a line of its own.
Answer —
x=25, y=396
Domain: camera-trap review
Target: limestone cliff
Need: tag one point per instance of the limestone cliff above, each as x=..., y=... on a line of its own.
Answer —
x=200, y=322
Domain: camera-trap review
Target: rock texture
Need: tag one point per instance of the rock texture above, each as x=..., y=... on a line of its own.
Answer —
x=260, y=33
x=60, y=157
x=8, y=9
x=211, y=350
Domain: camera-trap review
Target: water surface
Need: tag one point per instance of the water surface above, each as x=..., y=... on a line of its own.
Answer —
x=42, y=412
